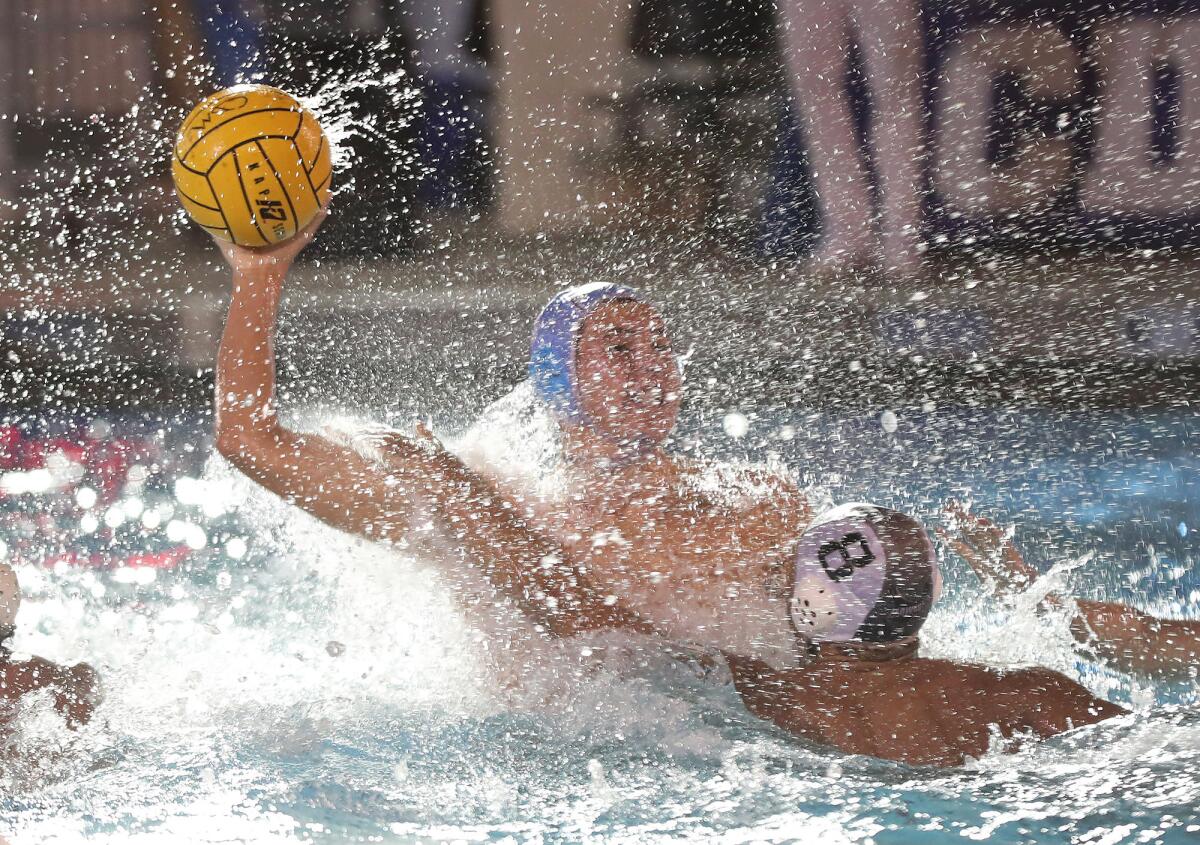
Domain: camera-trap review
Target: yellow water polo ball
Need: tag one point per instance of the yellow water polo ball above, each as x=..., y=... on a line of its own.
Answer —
x=252, y=165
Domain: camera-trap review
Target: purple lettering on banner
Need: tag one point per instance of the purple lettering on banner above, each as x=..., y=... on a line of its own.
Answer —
x=997, y=155
x=1050, y=121
x=1146, y=160
x=1070, y=121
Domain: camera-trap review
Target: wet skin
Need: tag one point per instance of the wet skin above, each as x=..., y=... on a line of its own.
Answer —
x=693, y=558
x=706, y=554
x=674, y=545
x=915, y=710
x=1128, y=638
x=76, y=689
x=629, y=379
x=640, y=541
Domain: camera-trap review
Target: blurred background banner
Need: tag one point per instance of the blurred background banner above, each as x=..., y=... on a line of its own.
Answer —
x=1071, y=121
x=75, y=57
x=1068, y=122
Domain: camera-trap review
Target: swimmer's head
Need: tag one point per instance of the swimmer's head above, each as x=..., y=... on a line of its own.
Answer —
x=10, y=602
x=601, y=359
x=864, y=574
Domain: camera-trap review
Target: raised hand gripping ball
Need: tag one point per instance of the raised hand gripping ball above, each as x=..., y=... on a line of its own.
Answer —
x=252, y=165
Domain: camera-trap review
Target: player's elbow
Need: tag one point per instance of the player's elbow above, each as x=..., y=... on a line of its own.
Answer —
x=231, y=444
x=237, y=443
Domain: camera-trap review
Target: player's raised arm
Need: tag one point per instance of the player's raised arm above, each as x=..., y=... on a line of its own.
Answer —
x=1136, y=641
x=331, y=481
x=1132, y=640
x=525, y=565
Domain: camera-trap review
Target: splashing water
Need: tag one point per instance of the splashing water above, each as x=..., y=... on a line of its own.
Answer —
x=271, y=680
x=327, y=689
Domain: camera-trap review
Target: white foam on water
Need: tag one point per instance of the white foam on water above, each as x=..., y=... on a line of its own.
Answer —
x=230, y=717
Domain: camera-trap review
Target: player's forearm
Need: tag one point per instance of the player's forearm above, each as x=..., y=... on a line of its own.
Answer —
x=519, y=561
x=245, y=383
x=1135, y=641
x=775, y=695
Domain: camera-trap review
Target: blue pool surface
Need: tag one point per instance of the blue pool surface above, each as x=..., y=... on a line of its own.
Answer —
x=278, y=682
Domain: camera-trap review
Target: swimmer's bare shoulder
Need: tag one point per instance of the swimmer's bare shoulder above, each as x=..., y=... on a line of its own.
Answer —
x=918, y=711
x=945, y=711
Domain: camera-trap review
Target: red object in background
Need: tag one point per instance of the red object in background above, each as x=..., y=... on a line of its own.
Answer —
x=73, y=450
x=108, y=464
x=31, y=455
x=72, y=558
x=108, y=460
x=10, y=446
x=166, y=559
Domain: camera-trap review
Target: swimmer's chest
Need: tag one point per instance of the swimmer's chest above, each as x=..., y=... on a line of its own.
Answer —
x=684, y=543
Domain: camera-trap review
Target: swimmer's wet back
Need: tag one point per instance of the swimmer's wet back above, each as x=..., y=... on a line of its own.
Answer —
x=863, y=573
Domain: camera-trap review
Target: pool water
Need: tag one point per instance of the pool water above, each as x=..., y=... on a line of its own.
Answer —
x=274, y=681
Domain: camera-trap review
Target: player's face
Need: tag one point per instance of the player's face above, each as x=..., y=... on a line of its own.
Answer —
x=629, y=381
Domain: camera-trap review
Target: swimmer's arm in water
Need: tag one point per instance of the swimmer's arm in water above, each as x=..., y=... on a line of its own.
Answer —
x=1034, y=701
x=76, y=689
x=1137, y=641
x=331, y=481
x=784, y=697
x=1132, y=640
x=522, y=563
x=78, y=694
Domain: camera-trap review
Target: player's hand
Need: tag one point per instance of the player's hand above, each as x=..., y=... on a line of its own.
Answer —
x=79, y=693
x=987, y=548
x=278, y=257
x=419, y=454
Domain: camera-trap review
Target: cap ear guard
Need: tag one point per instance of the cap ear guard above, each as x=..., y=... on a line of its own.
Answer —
x=909, y=582
x=863, y=573
x=838, y=578
x=555, y=335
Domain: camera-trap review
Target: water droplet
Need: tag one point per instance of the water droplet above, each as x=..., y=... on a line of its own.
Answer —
x=736, y=425
x=889, y=421
x=595, y=770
